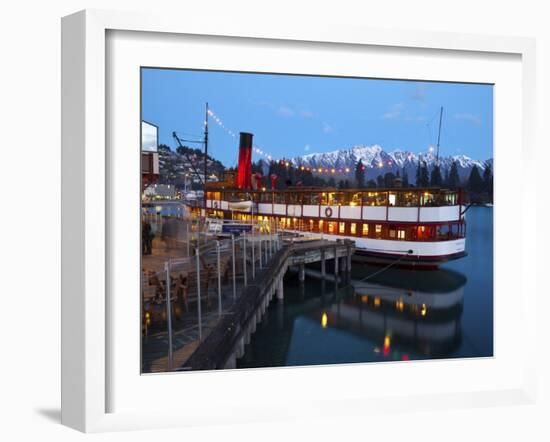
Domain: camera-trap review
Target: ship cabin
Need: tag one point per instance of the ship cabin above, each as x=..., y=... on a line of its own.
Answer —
x=396, y=214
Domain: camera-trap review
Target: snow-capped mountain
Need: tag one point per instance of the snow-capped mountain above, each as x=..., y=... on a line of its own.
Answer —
x=378, y=162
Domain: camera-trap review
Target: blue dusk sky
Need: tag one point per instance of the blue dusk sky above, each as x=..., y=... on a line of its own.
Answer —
x=297, y=115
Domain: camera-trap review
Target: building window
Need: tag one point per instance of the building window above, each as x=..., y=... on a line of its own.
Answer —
x=342, y=228
x=365, y=230
x=353, y=228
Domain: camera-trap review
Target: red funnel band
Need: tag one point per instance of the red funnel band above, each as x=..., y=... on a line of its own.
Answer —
x=244, y=173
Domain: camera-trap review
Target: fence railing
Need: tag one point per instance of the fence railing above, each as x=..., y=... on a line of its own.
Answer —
x=184, y=301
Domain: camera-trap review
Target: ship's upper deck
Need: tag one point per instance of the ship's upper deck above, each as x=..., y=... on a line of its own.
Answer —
x=393, y=204
x=394, y=197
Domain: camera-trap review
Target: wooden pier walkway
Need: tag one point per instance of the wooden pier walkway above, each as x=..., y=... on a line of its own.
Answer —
x=226, y=342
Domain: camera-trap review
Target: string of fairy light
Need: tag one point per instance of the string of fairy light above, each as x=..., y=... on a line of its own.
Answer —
x=284, y=162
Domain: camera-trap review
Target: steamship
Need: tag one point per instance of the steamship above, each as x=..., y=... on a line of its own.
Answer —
x=419, y=227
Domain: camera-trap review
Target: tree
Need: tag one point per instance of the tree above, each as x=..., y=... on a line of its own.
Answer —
x=405, y=178
x=435, y=178
x=380, y=181
x=454, y=179
x=331, y=182
x=371, y=184
x=360, y=174
x=475, y=184
x=488, y=180
x=389, y=179
x=422, y=175
x=446, y=178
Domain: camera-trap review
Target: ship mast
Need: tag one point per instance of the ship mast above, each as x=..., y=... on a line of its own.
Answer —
x=205, y=153
x=439, y=134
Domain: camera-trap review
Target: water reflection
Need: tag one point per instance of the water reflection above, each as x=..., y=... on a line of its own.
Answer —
x=399, y=315
x=403, y=315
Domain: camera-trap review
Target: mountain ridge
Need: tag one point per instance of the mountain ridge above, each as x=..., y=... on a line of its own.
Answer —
x=378, y=161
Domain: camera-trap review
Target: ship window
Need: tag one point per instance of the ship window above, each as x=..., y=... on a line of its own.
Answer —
x=428, y=199
x=320, y=225
x=279, y=198
x=353, y=228
x=443, y=232
x=375, y=198
x=331, y=227
x=369, y=198
x=378, y=230
x=365, y=230
x=355, y=199
x=401, y=234
x=381, y=198
x=407, y=199
x=342, y=228
x=392, y=232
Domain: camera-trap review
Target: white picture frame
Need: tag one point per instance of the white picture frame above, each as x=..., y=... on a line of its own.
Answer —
x=86, y=203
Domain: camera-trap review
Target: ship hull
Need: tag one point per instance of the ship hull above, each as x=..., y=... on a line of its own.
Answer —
x=418, y=262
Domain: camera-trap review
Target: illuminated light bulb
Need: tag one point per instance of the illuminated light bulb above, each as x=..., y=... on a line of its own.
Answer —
x=380, y=164
x=424, y=310
x=347, y=169
x=387, y=343
x=324, y=320
x=333, y=170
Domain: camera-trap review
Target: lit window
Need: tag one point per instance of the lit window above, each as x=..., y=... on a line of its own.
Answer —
x=331, y=227
x=378, y=228
x=401, y=234
x=342, y=228
x=365, y=230
x=353, y=229
x=392, y=233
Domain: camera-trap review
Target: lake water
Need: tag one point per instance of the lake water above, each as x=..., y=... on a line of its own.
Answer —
x=400, y=314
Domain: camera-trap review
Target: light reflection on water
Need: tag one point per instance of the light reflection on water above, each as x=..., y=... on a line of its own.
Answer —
x=398, y=315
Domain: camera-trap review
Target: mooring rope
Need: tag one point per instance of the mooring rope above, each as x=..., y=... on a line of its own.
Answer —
x=383, y=269
x=407, y=253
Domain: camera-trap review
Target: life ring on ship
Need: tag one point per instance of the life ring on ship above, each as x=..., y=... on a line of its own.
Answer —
x=328, y=212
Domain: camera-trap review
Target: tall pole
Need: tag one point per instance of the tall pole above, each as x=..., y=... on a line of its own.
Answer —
x=205, y=155
x=439, y=133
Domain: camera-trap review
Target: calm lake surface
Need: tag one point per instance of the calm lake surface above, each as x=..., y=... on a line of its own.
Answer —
x=399, y=314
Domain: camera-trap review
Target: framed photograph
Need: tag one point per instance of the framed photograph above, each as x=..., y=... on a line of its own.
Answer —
x=320, y=215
